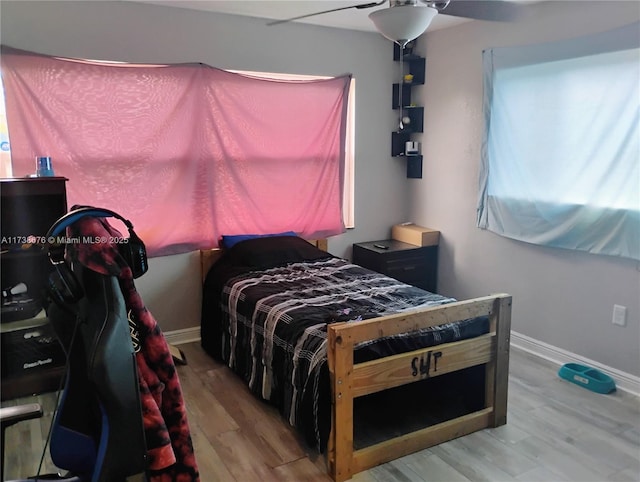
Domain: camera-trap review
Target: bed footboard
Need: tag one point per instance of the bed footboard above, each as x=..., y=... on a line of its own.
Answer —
x=349, y=380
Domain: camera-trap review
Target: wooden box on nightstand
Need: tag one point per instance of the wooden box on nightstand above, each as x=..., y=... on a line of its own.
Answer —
x=414, y=234
x=414, y=265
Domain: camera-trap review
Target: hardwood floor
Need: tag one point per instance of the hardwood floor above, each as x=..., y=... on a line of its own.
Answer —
x=556, y=431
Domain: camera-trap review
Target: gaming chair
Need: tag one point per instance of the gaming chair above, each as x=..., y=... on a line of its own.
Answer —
x=97, y=433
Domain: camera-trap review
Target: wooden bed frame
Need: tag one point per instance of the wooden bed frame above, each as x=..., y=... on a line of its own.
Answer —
x=350, y=380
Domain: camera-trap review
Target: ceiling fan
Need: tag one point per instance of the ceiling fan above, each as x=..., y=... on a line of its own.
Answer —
x=405, y=20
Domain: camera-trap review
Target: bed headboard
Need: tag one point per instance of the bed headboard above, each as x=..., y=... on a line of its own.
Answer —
x=209, y=256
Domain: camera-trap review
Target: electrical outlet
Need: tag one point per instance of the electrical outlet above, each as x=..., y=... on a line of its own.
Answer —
x=619, y=315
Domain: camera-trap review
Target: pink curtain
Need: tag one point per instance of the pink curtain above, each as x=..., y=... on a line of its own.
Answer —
x=186, y=152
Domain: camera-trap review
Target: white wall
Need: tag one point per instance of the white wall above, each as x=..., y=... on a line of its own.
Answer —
x=563, y=298
x=156, y=34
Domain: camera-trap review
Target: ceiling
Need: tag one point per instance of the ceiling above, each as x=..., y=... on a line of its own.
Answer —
x=280, y=9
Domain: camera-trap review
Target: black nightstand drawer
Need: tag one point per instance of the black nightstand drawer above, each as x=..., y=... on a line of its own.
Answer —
x=415, y=265
x=406, y=272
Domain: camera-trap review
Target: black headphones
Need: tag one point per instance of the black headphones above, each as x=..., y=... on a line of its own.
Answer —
x=64, y=286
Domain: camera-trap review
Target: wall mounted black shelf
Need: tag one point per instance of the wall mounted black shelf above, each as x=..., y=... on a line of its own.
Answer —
x=414, y=161
x=398, y=141
x=415, y=65
x=417, y=68
x=414, y=166
x=408, y=51
x=416, y=119
x=406, y=96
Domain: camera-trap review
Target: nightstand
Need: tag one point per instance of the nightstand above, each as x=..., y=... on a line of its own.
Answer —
x=414, y=265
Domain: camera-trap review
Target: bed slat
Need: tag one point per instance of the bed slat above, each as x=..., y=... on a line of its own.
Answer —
x=414, y=320
x=397, y=370
x=397, y=447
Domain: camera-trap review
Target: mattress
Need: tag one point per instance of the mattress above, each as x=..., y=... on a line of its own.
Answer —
x=266, y=306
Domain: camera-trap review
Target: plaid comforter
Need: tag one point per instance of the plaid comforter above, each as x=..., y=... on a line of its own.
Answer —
x=274, y=330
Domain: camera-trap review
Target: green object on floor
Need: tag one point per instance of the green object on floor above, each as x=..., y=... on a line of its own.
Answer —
x=587, y=377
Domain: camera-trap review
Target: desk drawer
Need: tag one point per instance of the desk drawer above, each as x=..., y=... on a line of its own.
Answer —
x=30, y=350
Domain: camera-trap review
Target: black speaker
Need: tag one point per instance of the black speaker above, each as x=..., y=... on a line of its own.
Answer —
x=64, y=287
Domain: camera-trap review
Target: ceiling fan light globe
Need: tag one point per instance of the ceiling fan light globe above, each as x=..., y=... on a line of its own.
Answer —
x=403, y=23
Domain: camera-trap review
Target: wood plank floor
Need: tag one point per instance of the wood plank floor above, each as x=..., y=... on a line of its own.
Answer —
x=556, y=431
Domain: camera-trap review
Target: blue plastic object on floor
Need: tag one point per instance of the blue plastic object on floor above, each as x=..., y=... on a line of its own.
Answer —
x=587, y=377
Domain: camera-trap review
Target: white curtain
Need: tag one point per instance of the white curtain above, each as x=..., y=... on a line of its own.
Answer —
x=561, y=158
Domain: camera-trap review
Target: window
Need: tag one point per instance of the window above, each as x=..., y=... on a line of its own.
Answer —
x=188, y=152
x=561, y=161
x=5, y=148
x=349, y=182
x=348, y=210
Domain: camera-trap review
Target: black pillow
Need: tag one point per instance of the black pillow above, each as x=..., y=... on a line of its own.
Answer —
x=262, y=253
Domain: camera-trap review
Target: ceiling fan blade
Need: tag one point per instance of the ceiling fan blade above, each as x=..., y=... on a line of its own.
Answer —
x=360, y=6
x=496, y=10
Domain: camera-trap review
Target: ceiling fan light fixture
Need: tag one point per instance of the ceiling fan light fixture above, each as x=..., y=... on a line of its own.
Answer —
x=403, y=23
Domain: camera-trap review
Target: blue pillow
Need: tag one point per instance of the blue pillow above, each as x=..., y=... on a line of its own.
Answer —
x=229, y=240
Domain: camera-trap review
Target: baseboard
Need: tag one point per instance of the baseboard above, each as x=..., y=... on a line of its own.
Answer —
x=624, y=381
x=186, y=335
